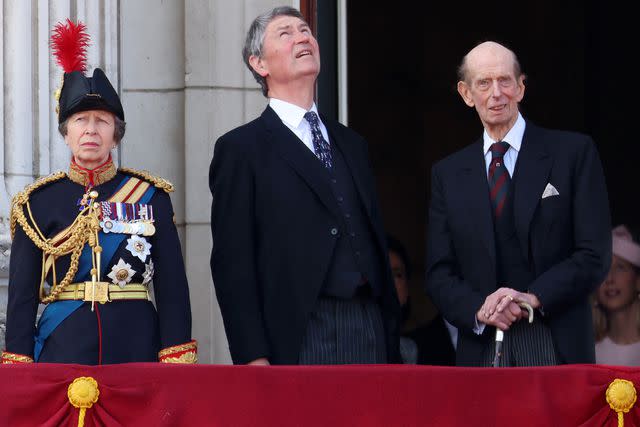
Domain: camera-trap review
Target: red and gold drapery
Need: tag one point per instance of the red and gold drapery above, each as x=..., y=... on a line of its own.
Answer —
x=218, y=395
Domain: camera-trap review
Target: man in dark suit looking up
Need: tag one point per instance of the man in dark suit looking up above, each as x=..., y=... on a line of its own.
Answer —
x=299, y=260
x=520, y=216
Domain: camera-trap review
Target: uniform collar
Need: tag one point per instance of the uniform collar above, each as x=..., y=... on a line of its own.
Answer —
x=92, y=177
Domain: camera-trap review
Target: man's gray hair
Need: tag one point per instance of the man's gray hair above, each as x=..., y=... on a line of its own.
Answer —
x=255, y=39
x=120, y=126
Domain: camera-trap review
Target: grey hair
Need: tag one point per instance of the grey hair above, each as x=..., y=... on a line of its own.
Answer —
x=255, y=39
x=462, y=68
x=120, y=126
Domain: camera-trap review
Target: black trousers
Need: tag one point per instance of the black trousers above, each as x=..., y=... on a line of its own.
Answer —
x=524, y=344
x=344, y=331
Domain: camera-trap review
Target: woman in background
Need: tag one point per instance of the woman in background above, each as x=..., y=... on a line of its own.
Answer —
x=616, y=311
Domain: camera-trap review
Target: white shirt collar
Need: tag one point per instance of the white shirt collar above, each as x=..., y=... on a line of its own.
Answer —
x=513, y=137
x=289, y=113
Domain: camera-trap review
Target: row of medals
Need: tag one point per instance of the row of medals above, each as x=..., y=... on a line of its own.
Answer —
x=139, y=227
x=144, y=228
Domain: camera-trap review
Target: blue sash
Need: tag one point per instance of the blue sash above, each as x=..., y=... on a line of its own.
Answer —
x=57, y=311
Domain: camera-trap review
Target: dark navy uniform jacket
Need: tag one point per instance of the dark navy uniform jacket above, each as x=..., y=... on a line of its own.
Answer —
x=122, y=331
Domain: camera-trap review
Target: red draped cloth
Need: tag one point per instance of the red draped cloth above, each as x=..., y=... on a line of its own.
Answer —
x=218, y=395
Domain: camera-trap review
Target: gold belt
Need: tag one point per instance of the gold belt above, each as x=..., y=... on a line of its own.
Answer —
x=104, y=292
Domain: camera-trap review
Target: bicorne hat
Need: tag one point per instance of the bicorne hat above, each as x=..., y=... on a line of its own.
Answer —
x=69, y=43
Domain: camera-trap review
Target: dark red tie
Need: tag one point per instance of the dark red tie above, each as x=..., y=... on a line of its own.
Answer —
x=498, y=177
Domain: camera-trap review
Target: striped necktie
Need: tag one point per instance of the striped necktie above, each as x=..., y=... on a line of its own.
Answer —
x=499, y=178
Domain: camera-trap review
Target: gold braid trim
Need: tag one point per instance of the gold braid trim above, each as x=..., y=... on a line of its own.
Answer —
x=155, y=180
x=22, y=198
x=83, y=230
x=10, y=358
x=183, y=353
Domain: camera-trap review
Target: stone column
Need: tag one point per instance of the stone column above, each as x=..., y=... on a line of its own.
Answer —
x=220, y=94
x=18, y=71
x=30, y=145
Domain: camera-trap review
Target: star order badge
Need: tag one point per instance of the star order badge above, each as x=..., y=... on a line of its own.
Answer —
x=121, y=273
x=139, y=247
x=148, y=273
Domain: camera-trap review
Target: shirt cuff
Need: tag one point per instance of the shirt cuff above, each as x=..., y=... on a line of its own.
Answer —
x=183, y=353
x=478, y=329
x=10, y=358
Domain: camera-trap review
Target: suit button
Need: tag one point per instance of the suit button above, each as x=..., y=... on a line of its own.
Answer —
x=333, y=180
x=352, y=234
x=347, y=215
x=340, y=199
x=334, y=231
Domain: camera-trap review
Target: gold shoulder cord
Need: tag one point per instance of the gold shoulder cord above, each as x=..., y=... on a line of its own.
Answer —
x=84, y=229
x=155, y=180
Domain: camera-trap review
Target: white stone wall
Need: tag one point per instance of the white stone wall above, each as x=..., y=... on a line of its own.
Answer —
x=178, y=67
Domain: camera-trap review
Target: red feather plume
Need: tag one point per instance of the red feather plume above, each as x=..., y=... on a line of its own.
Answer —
x=69, y=44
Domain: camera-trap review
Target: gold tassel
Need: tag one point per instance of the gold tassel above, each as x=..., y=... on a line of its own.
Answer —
x=621, y=396
x=83, y=392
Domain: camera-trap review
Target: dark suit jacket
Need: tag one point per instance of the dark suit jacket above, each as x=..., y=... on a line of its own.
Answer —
x=566, y=238
x=434, y=343
x=274, y=221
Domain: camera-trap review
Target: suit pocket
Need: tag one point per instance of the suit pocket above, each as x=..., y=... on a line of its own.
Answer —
x=554, y=209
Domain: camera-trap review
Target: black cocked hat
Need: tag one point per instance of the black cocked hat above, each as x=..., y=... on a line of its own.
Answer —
x=69, y=43
x=82, y=93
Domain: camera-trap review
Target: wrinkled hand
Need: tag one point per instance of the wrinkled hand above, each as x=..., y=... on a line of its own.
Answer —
x=501, y=309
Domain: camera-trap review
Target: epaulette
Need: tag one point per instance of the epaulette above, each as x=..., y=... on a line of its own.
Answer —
x=155, y=180
x=21, y=198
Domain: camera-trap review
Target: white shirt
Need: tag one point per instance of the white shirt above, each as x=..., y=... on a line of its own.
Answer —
x=453, y=333
x=293, y=117
x=610, y=353
x=514, y=138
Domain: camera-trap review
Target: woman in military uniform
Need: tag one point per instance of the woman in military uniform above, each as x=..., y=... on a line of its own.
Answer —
x=92, y=242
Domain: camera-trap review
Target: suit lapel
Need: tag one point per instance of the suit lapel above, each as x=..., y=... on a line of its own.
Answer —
x=474, y=186
x=532, y=172
x=300, y=158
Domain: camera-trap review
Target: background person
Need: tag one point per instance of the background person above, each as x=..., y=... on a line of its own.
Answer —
x=616, y=312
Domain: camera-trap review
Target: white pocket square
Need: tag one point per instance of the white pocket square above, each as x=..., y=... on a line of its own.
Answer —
x=549, y=191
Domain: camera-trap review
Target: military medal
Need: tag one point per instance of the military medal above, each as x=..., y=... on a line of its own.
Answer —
x=139, y=247
x=121, y=273
x=127, y=218
x=149, y=229
x=148, y=273
x=107, y=225
x=83, y=202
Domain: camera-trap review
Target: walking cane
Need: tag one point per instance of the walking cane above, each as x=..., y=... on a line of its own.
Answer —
x=500, y=335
